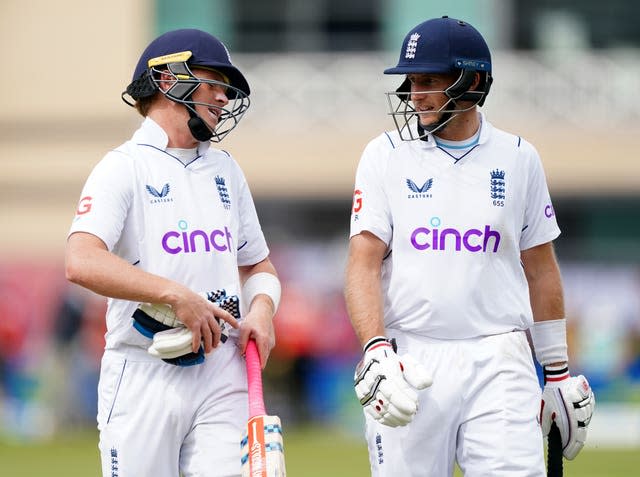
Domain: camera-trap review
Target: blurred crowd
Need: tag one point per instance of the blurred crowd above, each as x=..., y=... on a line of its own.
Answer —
x=51, y=339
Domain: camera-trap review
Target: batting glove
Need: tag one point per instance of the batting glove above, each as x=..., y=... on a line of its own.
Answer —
x=569, y=402
x=171, y=339
x=386, y=383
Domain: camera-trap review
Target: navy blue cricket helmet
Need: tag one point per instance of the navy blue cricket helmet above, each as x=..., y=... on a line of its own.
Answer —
x=440, y=46
x=174, y=54
x=206, y=51
x=446, y=45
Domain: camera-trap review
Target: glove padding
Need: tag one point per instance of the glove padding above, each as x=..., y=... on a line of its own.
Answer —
x=569, y=402
x=386, y=383
x=171, y=339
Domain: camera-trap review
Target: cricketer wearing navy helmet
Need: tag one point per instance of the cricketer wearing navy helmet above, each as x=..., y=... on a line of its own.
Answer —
x=170, y=59
x=451, y=264
x=168, y=231
x=452, y=47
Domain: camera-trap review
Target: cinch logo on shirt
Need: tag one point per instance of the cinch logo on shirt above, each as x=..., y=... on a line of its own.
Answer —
x=473, y=240
x=193, y=241
x=548, y=211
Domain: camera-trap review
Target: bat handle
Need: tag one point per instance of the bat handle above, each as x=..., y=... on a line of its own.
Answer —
x=254, y=380
x=554, y=452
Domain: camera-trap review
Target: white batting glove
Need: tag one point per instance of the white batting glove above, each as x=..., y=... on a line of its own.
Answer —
x=171, y=343
x=176, y=341
x=569, y=402
x=173, y=339
x=162, y=313
x=386, y=383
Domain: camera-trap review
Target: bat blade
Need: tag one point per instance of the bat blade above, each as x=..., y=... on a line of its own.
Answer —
x=554, y=452
x=262, y=448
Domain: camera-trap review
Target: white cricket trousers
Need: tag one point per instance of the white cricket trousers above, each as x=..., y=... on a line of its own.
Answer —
x=157, y=419
x=481, y=411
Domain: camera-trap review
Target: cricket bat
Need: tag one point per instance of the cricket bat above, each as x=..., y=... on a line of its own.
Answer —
x=554, y=452
x=262, y=448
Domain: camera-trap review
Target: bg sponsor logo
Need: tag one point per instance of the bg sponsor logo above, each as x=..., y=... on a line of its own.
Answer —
x=357, y=200
x=193, y=241
x=357, y=205
x=473, y=240
x=84, y=206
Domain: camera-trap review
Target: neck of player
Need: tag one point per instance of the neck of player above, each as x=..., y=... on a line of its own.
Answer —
x=463, y=126
x=174, y=118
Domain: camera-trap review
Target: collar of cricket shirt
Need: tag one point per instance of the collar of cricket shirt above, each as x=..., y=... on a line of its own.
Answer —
x=152, y=134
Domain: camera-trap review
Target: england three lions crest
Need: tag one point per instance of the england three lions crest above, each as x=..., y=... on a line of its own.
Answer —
x=497, y=187
x=223, y=192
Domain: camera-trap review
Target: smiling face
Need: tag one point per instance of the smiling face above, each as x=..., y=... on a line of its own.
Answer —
x=428, y=95
x=210, y=96
x=196, y=104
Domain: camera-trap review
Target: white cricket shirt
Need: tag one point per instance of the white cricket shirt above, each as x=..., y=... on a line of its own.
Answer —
x=454, y=231
x=194, y=223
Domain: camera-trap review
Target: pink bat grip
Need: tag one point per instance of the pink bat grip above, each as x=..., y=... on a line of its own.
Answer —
x=254, y=381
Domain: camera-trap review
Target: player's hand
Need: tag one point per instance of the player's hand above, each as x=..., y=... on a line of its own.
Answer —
x=569, y=402
x=386, y=383
x=172, y=341
x=258, y=325
x=177, y=340
x=203, y=318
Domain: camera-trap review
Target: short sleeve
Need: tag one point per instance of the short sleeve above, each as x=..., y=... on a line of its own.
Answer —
x=252, y=246
x=370, y=211
x=105, y=200
x=540, y=224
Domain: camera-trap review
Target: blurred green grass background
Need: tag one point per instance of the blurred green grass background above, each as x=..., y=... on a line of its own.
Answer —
x=310, y=452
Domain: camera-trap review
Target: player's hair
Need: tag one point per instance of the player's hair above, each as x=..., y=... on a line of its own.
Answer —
x=143, y=105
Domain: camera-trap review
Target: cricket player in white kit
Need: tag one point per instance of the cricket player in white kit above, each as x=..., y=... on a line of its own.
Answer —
x=450, y=263
x=167, y=229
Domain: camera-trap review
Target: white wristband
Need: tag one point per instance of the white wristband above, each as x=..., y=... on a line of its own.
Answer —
x=262, y=283
x=550, y=341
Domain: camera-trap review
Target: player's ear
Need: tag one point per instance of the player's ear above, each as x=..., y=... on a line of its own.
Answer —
x=165, y=81
x=476, y=82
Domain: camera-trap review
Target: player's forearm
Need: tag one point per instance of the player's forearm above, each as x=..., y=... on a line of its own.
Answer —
x=89, y=264
x=264, y=266
x=364, y=300
x=547, y=304
x=545, y=283
x=265, y=293
x=546, y=295
x=547, y=301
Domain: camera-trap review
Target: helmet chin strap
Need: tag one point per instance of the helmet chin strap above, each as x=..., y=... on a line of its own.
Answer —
x=445, y=118
x=458, y=91
x=431, y=128
x=198, y=127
